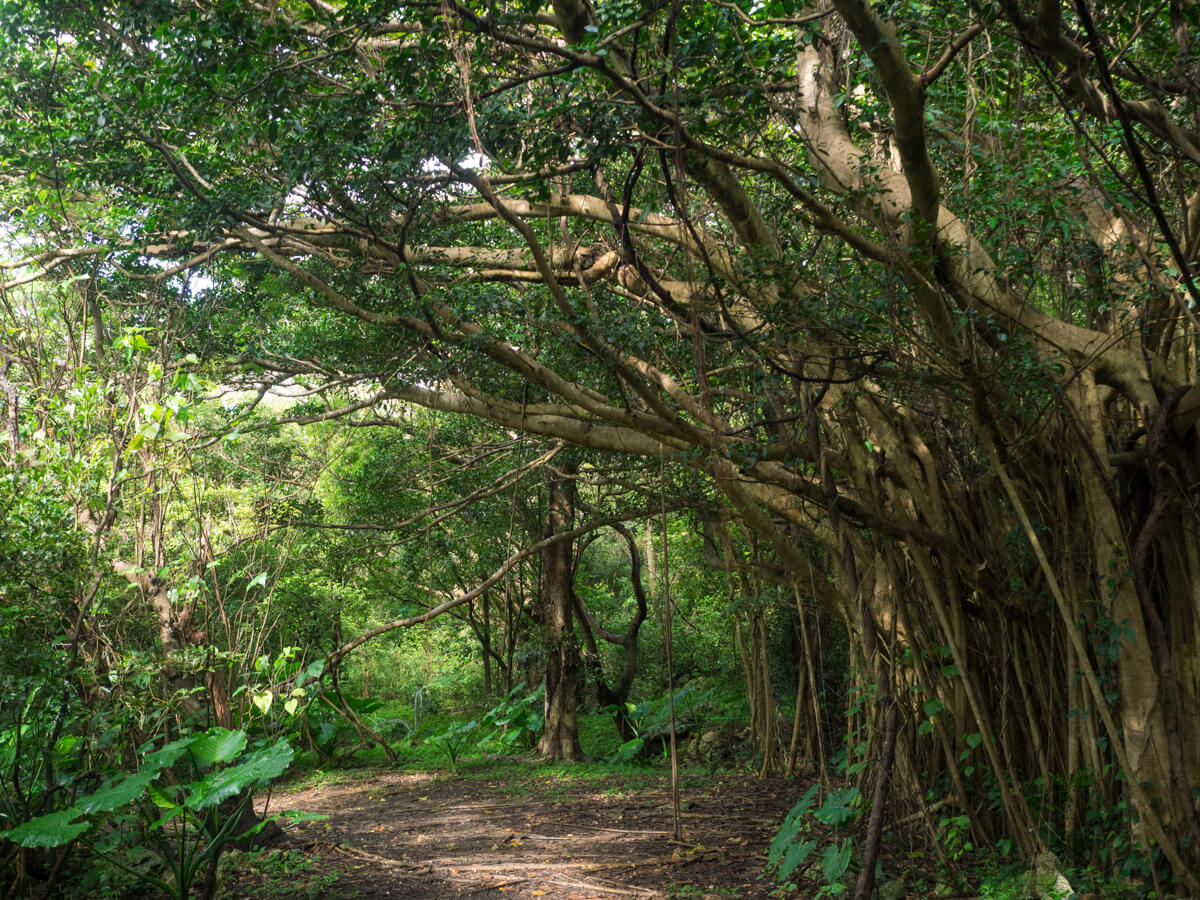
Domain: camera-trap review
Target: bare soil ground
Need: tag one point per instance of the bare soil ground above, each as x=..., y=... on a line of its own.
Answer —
x=524, y=834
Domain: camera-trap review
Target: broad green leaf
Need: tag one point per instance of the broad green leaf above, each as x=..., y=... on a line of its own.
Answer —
x=118, y=794
x=219, y=745
x=790, y=829
x=629, y=750
x=51, y=830
x=162, y=799
x=804, y=803
x=168, y=754
x=267, y=763
x=299, y=815
x=215, y=788
x=837, y=808
x=782, y=840
x=262, y=701
x=795, y=857
x=836, y=860
x=313, y=672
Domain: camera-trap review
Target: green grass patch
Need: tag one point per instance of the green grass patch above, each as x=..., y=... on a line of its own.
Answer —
x=278, y=875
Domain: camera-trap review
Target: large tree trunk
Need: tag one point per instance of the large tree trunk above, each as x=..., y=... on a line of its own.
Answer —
x=560, y=737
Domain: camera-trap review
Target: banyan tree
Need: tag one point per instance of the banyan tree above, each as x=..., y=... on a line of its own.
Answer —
x=910, y=287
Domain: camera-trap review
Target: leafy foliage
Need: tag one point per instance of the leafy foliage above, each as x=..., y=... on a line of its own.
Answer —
x=797, y=839
x=898, y=300
x=182, y=820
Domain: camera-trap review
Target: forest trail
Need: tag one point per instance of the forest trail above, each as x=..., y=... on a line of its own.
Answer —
x=553, y=835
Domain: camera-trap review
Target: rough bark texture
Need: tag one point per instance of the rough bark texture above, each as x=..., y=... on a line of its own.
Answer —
x=560, y=737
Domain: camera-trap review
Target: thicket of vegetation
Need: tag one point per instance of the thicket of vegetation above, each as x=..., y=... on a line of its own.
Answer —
x=835, y=364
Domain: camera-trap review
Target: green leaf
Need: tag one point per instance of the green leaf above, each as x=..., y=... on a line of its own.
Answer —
x=781, y=842
x=261, y=765
x=836, y=861
x=162, y=799
x=836, y=809
x=629, y=750
x=299, y=815
x=973, y=740
x=119, y=794
x=51, y=830
x=218, y=745
x=168, y=754
x=262, y=701
x=313, y=672
x=804, y=803
x=795, y=856
x=269, y=762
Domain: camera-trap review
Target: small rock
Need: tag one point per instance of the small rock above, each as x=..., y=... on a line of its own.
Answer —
x=1047, y=880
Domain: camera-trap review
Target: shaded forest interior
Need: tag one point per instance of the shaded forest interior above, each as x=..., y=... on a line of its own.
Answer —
x=803, y=390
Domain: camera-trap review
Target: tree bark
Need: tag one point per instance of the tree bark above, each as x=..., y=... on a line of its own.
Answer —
x=883, y=784
x=560, y=735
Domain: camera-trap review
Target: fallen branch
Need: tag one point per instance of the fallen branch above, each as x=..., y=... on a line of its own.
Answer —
x=623, y=890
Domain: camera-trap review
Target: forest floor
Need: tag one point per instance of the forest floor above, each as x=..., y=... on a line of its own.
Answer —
x=521, y=831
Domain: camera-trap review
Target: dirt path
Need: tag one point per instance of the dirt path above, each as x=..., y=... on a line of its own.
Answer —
x=589, y=837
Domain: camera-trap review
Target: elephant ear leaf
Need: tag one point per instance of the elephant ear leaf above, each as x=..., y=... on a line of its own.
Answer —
x=218, y=745
x=117, y=795
x=795, y=858
x=51, y=830
x=167, y=754
x=265, y=764
x=261, y=765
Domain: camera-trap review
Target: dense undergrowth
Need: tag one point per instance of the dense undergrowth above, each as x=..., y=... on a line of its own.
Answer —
x=145, y=834
x=170, y=836
x=936, y=857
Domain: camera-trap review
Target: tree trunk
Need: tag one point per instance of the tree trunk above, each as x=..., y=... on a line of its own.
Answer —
x=487, y=649
x=617, y=694
x=560, y=737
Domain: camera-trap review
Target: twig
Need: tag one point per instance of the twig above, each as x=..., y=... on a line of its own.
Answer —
x=495, y=886
x=602, y=828
x=347, y=850
x=626, y=890
x=484, y=806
